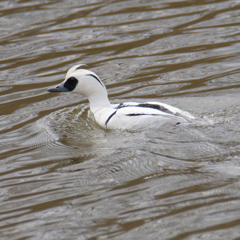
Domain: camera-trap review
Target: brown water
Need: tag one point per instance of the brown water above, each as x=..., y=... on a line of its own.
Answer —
x=62, y=177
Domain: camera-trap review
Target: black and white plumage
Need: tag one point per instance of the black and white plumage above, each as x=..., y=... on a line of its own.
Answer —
x=130, y=115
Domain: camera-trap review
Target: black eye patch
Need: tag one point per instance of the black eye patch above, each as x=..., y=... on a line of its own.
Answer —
x=71, y=83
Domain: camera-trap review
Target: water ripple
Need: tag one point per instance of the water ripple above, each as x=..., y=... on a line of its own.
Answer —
x=63, y=177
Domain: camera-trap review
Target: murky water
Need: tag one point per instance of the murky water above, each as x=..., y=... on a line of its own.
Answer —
x=63, y=177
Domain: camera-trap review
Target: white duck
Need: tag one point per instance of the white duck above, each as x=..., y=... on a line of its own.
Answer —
x=130, y=115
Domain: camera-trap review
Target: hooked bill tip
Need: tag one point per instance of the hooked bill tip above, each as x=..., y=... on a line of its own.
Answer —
x=52, y=90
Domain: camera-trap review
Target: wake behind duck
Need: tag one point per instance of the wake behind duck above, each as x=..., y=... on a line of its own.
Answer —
x=129, y=115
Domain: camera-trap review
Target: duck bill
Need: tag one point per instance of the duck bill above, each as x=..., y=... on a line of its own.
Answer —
x=58, y=88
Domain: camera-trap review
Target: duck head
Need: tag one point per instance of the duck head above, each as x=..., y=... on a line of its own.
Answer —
x=86, y=83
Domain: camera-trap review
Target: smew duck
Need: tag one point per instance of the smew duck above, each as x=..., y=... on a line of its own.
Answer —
x=129, y=115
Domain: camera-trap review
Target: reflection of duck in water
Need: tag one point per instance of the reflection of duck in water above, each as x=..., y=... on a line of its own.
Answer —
x=129, y=115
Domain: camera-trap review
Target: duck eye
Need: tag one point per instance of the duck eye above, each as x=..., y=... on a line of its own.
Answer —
x=71, y=83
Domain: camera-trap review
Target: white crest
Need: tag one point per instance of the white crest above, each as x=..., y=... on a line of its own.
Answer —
x=73, y=69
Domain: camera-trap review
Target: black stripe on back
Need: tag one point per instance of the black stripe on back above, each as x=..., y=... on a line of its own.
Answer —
x=146, y=105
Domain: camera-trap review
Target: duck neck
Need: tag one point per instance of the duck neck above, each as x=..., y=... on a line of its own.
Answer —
x=98, y=100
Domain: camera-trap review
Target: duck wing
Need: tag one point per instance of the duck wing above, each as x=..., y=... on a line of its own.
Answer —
x=152, y=108
x=131, y=115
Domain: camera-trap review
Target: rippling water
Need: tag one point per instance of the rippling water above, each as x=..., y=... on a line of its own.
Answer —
x=63, y=177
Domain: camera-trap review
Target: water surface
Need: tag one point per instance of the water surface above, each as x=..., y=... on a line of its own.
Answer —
x=63, y=177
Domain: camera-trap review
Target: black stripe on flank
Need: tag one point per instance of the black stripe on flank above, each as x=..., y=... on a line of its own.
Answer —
x=110, y=118
x=140, y=114
x=96, y=78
